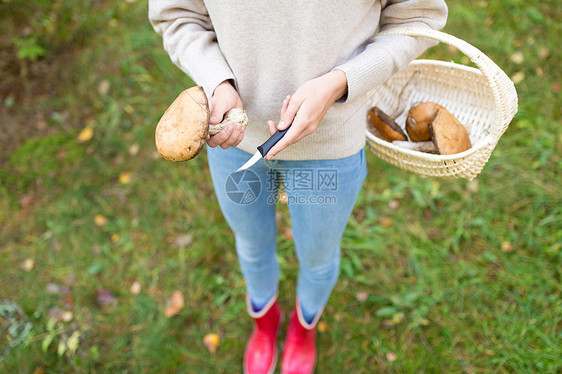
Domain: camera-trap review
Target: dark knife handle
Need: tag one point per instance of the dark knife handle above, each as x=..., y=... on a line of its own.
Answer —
x=269, y=143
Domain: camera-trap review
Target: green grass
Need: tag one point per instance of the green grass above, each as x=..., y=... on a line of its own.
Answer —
x=459, y=277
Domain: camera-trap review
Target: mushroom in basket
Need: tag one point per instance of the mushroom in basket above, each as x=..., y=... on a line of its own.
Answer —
x=430, y=127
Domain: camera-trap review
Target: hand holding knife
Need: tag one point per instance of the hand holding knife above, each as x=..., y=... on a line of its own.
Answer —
x=264, y=148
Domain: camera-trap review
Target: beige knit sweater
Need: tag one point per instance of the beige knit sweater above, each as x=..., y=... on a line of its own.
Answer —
x=270, y=48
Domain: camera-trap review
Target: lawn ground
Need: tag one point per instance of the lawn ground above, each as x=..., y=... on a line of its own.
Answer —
x=97, y=232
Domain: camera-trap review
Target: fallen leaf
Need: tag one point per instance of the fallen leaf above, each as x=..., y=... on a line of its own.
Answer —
x=183, y=241
x=41, y=124
x=283, y=198
x=115, y=238
x=322, y=326
x=100, y=220
x=385, y=222
x=125, y=177
x=518, y=77
x=105, y=298
x=387, y=324
x=135, y=288
x=26, y=201
x=56, y=313
x=134, y=149
x=27, y=264
x=539, y=71
x=68, y=302
x=391, y=356
x=103, y=87
x=361, y=295
x=211, y=341
x=472, y=186
x=518, y=58
x=70, y=279
x=288, y=234
x=53, y=288
x=67, y=316
x=85, y=135
x=174, y=304
x=507, y=247
x=555, y=87
x=393, y=204
x=543, y=53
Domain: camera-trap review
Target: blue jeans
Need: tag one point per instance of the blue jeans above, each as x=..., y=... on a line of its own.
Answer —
x=321, y=195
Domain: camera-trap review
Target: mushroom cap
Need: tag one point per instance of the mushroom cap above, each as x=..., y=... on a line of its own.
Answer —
x=182, y=131
x=418, y=120
x=385, y=125
x=448, y=134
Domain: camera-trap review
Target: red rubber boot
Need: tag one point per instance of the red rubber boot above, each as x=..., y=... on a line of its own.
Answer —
x=299, y=354
x=260, y=356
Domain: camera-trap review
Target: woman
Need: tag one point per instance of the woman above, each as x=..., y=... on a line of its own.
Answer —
x=311, y=63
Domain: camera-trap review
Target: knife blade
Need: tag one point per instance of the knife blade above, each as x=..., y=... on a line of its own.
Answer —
x=264, y=148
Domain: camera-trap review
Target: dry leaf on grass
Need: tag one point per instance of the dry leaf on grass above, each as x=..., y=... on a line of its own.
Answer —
x=125, y=177
x=361, y=296
x=211, y=341
x=136, y=288
x=105, y=298
x=174, y=304
x=391, y=357
x=100, y=220
x=85, y=135
x=28, y=264
x=507, y=247
x=385, y=222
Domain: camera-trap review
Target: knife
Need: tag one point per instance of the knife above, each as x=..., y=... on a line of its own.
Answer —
x=264, y=148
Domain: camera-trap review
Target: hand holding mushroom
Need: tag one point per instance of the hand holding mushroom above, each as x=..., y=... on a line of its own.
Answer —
x=225, y=97
x=183, y=129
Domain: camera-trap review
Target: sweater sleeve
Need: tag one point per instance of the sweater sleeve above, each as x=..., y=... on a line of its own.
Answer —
x=190, y=40
x=382, y=56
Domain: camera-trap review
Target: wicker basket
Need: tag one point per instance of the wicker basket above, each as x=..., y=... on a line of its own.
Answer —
x=484, y=100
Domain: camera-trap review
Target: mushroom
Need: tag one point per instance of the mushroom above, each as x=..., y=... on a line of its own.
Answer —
x=448, y=134
x=182, y=131
x=418, y=120
x=385, y=125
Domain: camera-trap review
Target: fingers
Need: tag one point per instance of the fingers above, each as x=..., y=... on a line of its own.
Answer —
x=230, y=136
x=285, y=105
x=271, y=127
x=299, y=129
x=289, y=110
x=218, y=109
x=292, y=136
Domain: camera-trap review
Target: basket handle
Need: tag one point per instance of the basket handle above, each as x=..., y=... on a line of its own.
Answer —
x=503, y=89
